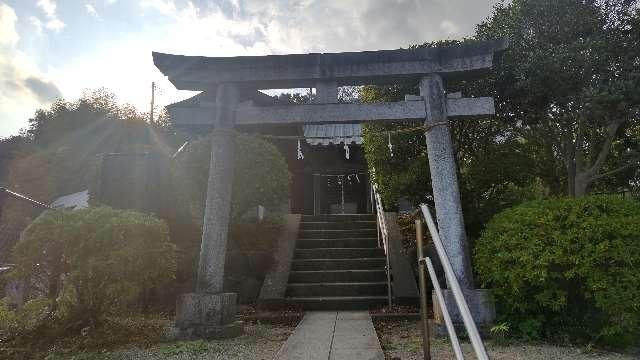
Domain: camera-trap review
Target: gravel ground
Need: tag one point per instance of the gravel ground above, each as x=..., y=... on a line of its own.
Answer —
x=260, y=341
x=403, y=340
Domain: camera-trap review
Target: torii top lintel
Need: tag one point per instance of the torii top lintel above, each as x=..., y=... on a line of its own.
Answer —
x=306, y=70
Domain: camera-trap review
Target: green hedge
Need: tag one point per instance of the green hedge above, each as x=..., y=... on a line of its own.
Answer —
x=94, y=262
x=566, y=269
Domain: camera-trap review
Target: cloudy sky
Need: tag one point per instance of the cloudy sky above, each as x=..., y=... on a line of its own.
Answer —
x=58, y=48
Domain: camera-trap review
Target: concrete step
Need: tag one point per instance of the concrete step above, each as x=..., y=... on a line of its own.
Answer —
x=338, y=225
x=338, y=264
x=337, y=217
x=337, y=289
x=337, y=234
x=338, y=302
x=337, y=276
x=337, y=243
x=338, y=253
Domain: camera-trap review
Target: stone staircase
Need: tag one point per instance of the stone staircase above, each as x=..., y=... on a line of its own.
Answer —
x=337, y=264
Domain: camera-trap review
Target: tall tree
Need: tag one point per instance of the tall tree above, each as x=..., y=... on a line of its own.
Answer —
x=569, y=85
x=59, y=152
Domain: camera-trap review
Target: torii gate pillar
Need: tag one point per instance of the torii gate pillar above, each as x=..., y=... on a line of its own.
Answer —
x=209, y=312
x=446, y=195
x=444, y=179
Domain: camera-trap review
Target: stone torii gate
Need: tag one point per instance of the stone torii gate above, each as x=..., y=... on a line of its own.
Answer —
x=236, y=80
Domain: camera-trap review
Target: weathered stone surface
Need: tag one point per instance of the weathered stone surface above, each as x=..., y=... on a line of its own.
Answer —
x=326, y=92
x=218, y=205
x=305, y=70
x=480, y=303
x=444, y=180
x=205, y=309
x=410, y=110
x=275, y=282
x=405, y=290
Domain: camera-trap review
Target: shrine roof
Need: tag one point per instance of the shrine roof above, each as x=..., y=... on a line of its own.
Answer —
x=327, y=134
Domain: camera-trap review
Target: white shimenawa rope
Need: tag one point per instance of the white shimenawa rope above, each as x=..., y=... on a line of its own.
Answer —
x=390, y=146
x=300, y=154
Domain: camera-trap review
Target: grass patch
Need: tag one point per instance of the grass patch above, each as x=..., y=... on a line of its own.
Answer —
x=187, y=348
x=53, y=341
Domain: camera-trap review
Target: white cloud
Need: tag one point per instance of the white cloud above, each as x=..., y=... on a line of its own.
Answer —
x=37, y=24
x=8, y=19
x=23, y=87
x=56, y=25
x=48, y=6
x=91, y=10
x=53, y=21
x=186, y=31
x=449, y=28
x=165, y=7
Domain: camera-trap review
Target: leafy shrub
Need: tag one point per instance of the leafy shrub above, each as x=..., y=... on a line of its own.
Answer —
x=248, y=235
x=92, y=262
x=25, y=318
x=566, y=267
x=261, y=175
x=250, y=255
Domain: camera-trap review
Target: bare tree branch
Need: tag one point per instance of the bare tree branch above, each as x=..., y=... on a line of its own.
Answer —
x=612, y=130
x=616, y=170
x=579, y=148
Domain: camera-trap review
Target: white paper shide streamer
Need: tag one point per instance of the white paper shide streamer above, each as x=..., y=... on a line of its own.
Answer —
x=346, y=149
x=300, y=154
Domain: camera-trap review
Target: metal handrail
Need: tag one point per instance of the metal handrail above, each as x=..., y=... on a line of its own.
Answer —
x=455, y=343
x=463, y=307
x=382, y=230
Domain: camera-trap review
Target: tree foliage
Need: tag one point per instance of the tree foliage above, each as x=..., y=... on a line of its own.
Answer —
x=567, y=111
x=92, y=262
x=58, y=153
x=566, y=267
x=261, y=176
x=568, y=84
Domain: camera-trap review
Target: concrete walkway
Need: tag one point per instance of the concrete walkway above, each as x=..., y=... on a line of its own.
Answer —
x=333, y=335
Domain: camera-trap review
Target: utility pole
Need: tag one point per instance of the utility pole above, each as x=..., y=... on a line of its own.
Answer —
x=153, y=97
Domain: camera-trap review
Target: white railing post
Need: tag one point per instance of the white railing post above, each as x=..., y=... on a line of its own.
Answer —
x=445, y=313
x=382, y=233
x=469, y=323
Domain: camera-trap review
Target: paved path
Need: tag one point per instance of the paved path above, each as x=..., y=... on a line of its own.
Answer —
x=333, y=335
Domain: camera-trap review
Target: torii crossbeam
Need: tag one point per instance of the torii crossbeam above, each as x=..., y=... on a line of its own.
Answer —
x=235, y=82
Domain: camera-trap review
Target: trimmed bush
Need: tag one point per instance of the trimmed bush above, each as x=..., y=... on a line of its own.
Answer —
x=566, y=269
x=261, y=176
x=93, y=262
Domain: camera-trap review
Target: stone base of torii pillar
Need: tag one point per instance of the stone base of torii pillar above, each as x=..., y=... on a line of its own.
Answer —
x=481, y=306
x=207, y=316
